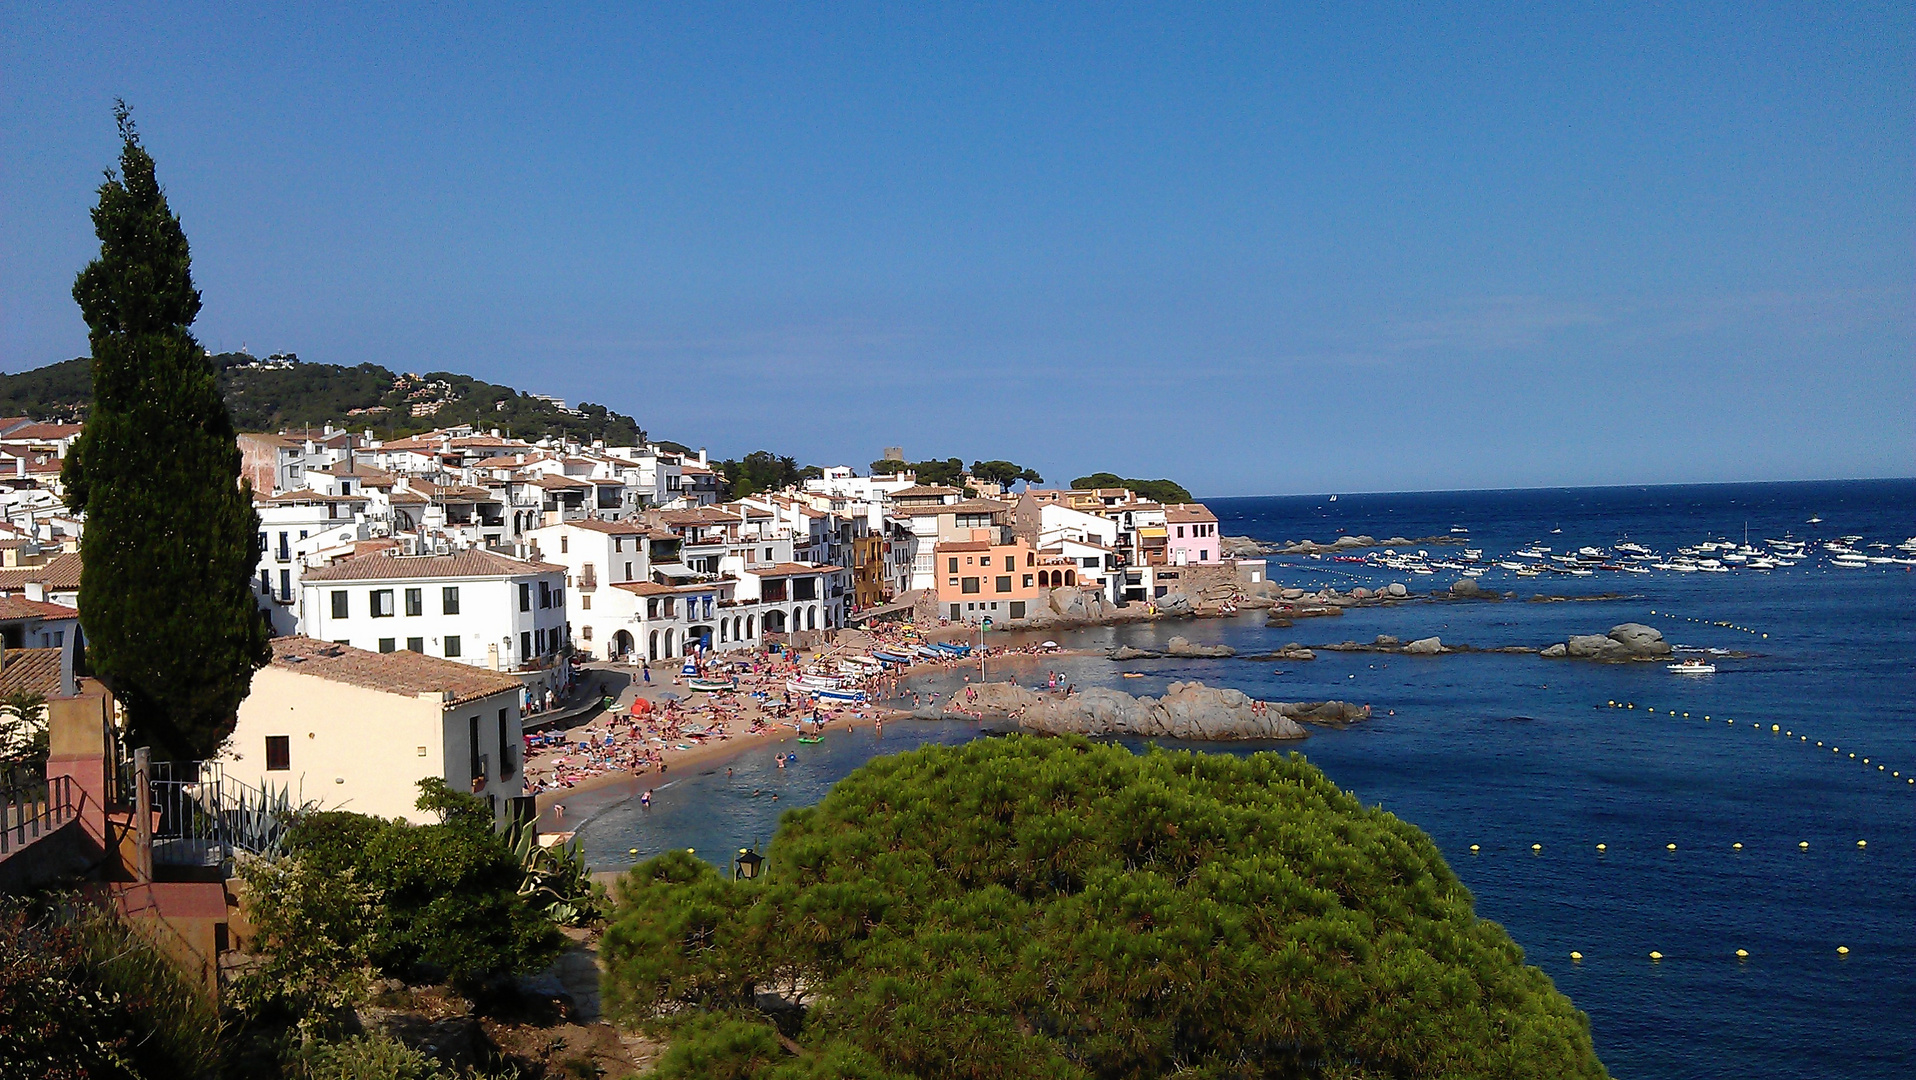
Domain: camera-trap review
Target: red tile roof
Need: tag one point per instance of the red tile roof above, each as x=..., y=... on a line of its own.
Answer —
x=32, y=670
x=472, y=562
x=14, y=606
x=60, y=574
x=405, y=672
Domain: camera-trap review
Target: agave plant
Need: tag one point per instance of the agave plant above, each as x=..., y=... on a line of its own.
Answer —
x=557, y=876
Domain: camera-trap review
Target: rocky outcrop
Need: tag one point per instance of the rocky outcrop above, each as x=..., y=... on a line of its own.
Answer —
x=1174, y=604
x=1179, y=646
x=1429, y=646
x=1397, y=589
x=1468, y=589
x=1239, y=547
x=1624, y=642
x=1078, y=605
x=1126, y=652
x=1346, y=543
x=1292, y=651
x=1186, y=711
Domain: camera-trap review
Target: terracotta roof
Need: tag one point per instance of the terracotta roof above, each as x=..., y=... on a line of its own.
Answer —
x=60, y=574
x=925, y=490
x=963, y=545
x=407, y=498
x=451, y=492
x=308, y=495
x=433, y=440
x=615, y=528
x=969, y=506
x=35, y=670
x=13, y=606
x=1182, y=512
x=790, y=569
x=710, y=515
x=551, y=481
x=404, y=672
x=44, y=431
x=359, y=472
x=646, y=588
x=500, y=462
x=473, y=562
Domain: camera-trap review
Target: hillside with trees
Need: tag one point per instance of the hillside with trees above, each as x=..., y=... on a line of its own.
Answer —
x=1058, y=908
x=1158, y=491
x=281, y=391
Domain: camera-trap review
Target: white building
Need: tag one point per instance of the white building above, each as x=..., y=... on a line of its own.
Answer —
x=357, y=730
x=292, y=526
x=474, y=607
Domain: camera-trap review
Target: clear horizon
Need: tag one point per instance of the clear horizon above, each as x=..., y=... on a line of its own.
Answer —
x=1248, y=249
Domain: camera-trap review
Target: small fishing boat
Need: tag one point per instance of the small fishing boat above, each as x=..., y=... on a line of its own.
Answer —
x=1692, y=667
x=890, y=657
x=811, y=738
x=711, y=686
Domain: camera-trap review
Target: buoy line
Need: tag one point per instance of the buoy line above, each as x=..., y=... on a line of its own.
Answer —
x=1735, y=848
x=1724, y=623
x=1657, y=956
x=1909, y=780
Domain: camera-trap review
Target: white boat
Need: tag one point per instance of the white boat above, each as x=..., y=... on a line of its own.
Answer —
x=1693, y=667
x=1517, y=566
x=1850, y=562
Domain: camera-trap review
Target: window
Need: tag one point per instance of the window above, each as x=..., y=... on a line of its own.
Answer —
x=472, y=750
x=286, y=585
x=652, y=608
x=545, y=594
x=279, y=753
x=382, y=603
x=262, y=541
x=562, y=544
x=452, y=645
x=525, y=644
x=1004, y=583
x=505, y=758
x=585, y=603
x=954, y=564
x=968, y=585
x=1017, y=609
x=1180, y=532
x=1204, y=555
x=387, y=644
x=339, y=603
x=1090, y=562
x=1028, y=580
x=585, y=633
x=525, y=596
x=416, y=644
x=415, y=602
x=628, y=571
x=539, y=639
x=1030, y=559
x=449, y=600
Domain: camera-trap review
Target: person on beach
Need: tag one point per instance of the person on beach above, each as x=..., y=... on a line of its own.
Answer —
x=645, y=800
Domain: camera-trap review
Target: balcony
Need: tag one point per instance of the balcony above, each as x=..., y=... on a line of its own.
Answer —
x=588, y=581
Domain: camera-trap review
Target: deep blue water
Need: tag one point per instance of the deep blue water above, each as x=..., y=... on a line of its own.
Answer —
x=1506, y=751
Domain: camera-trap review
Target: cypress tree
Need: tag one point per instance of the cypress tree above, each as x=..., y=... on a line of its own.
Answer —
x=166, y=600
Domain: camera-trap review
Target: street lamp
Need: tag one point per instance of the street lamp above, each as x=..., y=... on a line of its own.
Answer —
x=745, y=867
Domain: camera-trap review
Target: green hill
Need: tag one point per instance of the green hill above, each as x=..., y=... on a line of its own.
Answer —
x=282, y=391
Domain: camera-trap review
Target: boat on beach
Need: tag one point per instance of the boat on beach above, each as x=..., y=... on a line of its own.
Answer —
x=711, y=686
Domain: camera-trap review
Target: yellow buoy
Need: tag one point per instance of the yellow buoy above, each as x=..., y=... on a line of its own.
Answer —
x=1742, y=954
x=1686, y=716
x=1842, y=950
x=1474, y=847
x=1805, y=845
x=1862, y=843
x=1865, y=760
x=1852, y=757
x=1536, y=847
x=1819, y=742
x=1574, y=955
x=1766, y=635
x=1670, y=847
x=1776, y=727
x=1655, y=955
x=632, y=851
x=1603, y=847
x=1738, y=845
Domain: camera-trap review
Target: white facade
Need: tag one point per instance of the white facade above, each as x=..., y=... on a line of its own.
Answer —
x=357, y=731
x=473, y=607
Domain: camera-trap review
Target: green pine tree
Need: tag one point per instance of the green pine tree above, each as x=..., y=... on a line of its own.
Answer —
x=166, y=599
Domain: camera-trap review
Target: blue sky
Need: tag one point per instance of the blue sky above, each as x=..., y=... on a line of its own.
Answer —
x=1259, y=249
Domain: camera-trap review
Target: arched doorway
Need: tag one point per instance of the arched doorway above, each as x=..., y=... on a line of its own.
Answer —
x=1070, y=577
x=751, y=627
x=621, y=643
x=653, y=653
x=775, y=621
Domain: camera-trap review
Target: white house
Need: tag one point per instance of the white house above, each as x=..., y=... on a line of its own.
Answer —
x=293, y=525
x=473, y=606
x=357, y=730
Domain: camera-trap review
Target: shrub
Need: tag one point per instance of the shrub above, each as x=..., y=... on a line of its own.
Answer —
x=83, y=997
x=311, y=946
x=448, y=895
x=365, y=1057
x=1026, y=907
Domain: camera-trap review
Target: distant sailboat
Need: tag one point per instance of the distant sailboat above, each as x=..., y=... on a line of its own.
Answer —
x=1333, y=498
x=1814, y=521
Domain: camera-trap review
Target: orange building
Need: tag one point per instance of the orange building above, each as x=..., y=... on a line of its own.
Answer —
x=978, y=579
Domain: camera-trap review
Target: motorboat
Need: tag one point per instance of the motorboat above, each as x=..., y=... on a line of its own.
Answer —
x=710, y=686
x=1850, y=562
x=1692, y=667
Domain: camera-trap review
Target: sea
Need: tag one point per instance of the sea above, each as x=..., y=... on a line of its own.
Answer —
x=1755, y=828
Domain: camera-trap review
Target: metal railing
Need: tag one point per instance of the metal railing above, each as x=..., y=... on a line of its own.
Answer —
x=33, y=809
x=201, y=816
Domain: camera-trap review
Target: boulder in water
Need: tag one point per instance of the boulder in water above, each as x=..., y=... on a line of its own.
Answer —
x=1180, y=646
x=1429, y=646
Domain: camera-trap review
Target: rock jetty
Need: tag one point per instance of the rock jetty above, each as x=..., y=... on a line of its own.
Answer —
x=1188, y=710
x=1625, y=642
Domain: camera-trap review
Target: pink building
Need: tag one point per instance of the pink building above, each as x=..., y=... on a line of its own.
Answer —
x=1190, y=534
